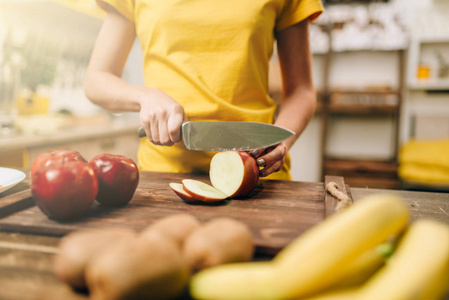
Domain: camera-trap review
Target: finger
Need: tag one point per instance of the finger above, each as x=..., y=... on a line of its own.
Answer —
x=257, y=152
x=174, y=127
x=261, y=151
x=272, y=156
x=271, y=169
x=145, y=124
x=164, y=136
x=154, y=129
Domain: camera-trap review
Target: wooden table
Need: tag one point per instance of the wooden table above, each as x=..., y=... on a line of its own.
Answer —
x=26, y=260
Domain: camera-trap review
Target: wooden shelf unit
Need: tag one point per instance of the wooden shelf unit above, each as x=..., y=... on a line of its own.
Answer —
x=364, y=102
x=369, y=102
x=364, y=173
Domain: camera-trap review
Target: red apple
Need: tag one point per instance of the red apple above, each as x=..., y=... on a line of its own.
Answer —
x=202, y=191
x=118, y=177
x=178, y=188
x=54, y=157
x=232, y=174
x=64, y=190
x=235, y=173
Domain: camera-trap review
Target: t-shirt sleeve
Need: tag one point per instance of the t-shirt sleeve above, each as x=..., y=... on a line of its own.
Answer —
x=297, y=10
x=124, y=7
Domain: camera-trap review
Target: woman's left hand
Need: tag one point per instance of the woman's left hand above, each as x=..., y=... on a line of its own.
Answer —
x=271, y=159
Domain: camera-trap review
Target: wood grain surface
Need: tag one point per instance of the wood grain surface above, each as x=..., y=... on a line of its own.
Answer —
x=276, y=211
x=26, y=260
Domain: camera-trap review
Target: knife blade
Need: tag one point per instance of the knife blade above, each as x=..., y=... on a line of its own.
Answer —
x=227, y=136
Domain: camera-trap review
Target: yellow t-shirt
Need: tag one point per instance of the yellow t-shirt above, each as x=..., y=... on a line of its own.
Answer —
x=212, y=57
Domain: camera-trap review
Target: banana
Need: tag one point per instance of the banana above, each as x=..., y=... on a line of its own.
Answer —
x=234, y=281
x=361, y=269
x=418, y=268
x=246, y=279
x=438, y=288
x=339, y=294
x=313, y=261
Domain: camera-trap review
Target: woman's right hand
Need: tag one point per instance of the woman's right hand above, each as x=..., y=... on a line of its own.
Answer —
x=161, y=117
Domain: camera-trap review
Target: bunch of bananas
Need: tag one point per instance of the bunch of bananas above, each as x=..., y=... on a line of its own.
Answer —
x=369, y=251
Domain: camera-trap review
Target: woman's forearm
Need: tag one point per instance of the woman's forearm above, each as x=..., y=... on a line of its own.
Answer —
x=112, y=93
x=299, y=100
x=296, y=111
x=103, y=84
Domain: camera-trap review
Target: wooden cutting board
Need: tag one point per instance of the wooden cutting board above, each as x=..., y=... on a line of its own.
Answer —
x=276, y=211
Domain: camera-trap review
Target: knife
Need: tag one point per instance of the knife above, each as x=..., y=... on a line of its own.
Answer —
x=227, y=136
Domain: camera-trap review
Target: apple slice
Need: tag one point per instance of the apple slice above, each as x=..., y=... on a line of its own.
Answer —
x=178, y=188
x=235, y=173
x=202, y=191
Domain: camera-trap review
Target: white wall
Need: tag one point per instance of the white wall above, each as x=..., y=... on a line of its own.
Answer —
x=306, y=153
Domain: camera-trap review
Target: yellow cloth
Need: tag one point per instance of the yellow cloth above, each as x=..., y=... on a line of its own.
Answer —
x=212, y=57
x=425, y=162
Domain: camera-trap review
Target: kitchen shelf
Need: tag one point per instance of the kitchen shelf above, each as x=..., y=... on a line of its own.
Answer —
x=364, y=102
x=362, y=109
x=371, y=49
x=88, y=135
x=430, y=85
x=364, y=173
x=432, y=39
x=369, y=102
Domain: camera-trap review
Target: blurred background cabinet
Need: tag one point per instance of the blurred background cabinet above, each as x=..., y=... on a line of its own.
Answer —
x=362, y=92
x=360, y=125
x=20, y=152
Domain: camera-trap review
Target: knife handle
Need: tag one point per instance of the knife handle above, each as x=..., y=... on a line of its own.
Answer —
x=141, y=132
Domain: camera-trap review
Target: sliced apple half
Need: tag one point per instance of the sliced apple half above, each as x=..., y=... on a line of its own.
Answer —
x=202, y=191
x=235, y=173
x=178, y=188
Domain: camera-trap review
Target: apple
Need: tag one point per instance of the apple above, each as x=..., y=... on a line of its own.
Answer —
x=64, y=190
x=202, y=191
x=235, y=173
x=54, y=157
x=178, y=188
x=118, y=177
x=232, y=174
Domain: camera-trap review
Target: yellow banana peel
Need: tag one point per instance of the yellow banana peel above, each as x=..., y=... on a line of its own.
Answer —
x=313, y=261
x=417, y=269
x=338, y=294
x=236, y=281
x=360, y=270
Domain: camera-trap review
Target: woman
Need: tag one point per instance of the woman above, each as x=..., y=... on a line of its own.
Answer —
x=205, y=60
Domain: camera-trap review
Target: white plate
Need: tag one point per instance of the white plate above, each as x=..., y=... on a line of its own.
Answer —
x=9, y=178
